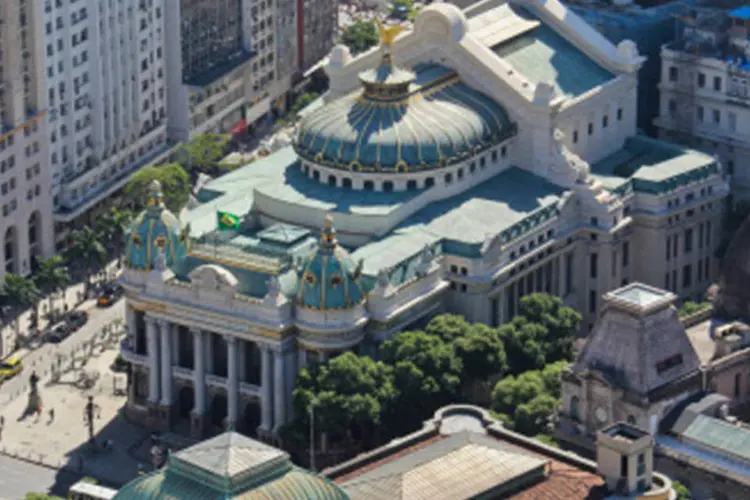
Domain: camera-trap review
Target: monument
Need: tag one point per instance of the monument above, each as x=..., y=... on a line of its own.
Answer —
x=35, y=400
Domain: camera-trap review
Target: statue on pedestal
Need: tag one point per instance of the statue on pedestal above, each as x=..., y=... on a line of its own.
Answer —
x=35, y=400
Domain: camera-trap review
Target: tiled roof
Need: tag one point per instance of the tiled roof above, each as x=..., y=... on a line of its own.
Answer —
x=565, y=482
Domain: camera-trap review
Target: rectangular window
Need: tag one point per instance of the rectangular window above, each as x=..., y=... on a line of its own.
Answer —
x=687, y=278
x=619, y=114
x=666, y=281
x=732, y=118
x=625, y=254
x=700, y=271
x=594, y=265
x=688, y=240
x=591, y=128
x=674, y=280
x=716, y=116
x=717, y=83
x=614, y=264
x=575, y=136
x=701, y=80
x=511, y=300
x=673, y=74
x=672, y=108
x=568, y=273
x=700, y=112
x=700, y=236
x=737, y=384
x=592, y=301
x=707, y=268
x=605, y=121
x=708, y=233
x=675, y=239
x=668, y=363
x=669, y=247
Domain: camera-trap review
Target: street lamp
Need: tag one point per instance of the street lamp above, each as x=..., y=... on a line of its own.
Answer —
x=311, y=411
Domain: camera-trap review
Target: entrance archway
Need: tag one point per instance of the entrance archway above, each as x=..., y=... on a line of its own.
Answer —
x=186, y=401
x=218, y=410
x=251, y=418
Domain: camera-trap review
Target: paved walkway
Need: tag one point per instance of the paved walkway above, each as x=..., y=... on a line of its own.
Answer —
x=62, y=443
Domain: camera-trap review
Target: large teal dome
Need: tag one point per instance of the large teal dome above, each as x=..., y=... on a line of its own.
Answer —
x=403, y=121
x=155, y=231
x=329, y=278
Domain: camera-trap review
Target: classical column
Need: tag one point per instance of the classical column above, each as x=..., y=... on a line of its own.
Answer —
x=166, y=362
x=130, y=322
x=279, y=391
x=153, y=360
x=199, y=372
x=267, y=390
x=232, y=380
x=291, y=378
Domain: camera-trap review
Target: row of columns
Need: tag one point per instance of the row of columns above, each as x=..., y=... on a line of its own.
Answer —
x=275, y=372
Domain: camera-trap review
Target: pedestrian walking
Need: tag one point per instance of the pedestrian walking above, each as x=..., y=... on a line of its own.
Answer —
x=51, y=415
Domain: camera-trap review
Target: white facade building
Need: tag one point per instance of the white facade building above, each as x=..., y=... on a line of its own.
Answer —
x=26, y=217
x=704, y=90
x=481, y=156
x=106, y=89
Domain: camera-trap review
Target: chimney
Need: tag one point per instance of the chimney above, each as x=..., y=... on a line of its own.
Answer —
x=625, y=458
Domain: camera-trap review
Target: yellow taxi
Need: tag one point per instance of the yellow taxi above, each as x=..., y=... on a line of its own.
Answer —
x=10, y=368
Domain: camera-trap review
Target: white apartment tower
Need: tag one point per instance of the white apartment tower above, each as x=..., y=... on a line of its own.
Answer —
x=106, y=88
x=25, y=220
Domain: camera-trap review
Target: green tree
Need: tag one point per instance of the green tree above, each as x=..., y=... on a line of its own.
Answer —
x=51, y=278
x=533, y=417
x=427, y=374
x=552, y=377
x=524, y=345
x=448, y=327
x=512, y=392
x=301, y=102
x=203, y=153
x=41, y=496
x=482, y=353
x=349, y=394
x=562, y=324
x=360, y=36
x=175, y=183
x=689, y=307
x=20, y=294
x=87, y=252
x=683, y=493
x=113, y=226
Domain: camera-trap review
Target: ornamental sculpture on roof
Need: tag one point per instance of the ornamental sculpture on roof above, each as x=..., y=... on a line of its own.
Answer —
x=388, y=33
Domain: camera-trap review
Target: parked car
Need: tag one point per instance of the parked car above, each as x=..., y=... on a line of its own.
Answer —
x=76, y=320
x=10, y=368
x=58, y=334
x=110, y=294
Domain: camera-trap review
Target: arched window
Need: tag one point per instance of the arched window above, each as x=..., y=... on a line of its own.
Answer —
x=331, y=180
x=369, y=186
x=448, y=178
x=388, y=186
x=346, y=182
x=631, y=419
x=411, y=185
x=316, y=175
x=574, y=408
x=429, y=182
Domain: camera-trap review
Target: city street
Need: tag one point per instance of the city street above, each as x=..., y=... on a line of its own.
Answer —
x=19, y=477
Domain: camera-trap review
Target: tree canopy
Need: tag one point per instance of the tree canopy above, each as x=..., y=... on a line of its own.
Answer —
x=175, y=183
x=203, y=154
x=360, y=36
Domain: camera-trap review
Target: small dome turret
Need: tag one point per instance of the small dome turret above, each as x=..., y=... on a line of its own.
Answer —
x=329, y=279
x=156, y=238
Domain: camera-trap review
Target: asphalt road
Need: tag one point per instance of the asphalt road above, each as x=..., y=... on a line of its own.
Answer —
x=18, y=478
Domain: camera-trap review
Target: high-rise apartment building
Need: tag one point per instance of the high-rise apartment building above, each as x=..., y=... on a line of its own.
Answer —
x=106, y=90
x=25, y=220
x=316, y=26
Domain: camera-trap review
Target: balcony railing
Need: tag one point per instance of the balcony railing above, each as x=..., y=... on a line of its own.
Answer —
x=129, y=354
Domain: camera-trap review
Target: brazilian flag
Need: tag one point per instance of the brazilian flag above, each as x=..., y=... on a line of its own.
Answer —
x=227, y=221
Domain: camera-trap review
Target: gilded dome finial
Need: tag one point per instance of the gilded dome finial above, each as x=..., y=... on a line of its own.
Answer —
x=154, y=194
x=328, y=236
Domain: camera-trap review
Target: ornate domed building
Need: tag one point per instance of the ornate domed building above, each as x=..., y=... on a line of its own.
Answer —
x=155, y=232
x=477, y=157
x=230, y=466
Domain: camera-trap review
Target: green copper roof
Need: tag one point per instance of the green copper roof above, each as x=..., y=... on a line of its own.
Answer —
x=439, y=121
x=543, y=56
x=230, y=466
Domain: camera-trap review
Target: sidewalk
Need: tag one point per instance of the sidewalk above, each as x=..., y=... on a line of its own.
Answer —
x=72, y=294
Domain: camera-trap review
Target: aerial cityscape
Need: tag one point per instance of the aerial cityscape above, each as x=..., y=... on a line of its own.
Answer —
x=442, y=250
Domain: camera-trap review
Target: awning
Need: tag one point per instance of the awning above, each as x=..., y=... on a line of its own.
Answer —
x=238, y=128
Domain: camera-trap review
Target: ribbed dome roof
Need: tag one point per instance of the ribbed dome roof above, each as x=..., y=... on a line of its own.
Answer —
x=435, y=121
x=329, y=279
x=156, y=230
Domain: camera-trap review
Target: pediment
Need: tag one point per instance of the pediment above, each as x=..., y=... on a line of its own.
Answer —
x=213, y=277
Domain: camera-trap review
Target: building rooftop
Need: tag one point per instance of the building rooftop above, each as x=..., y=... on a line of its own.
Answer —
x=719, y=435
x=648, y=162
x=640, y=294
x=543, y=56
x=463, y=453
